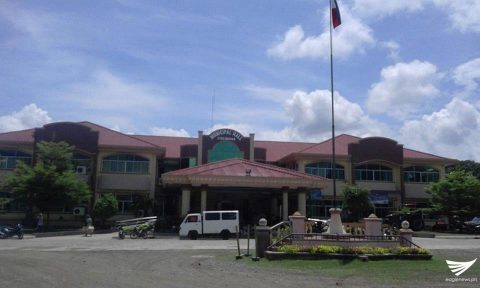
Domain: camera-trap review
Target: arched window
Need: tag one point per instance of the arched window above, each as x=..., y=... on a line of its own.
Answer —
x=224, y=150
x=125, y=163
x=9, y=158
x=421, y=174
x=373, y=172
x=324, y=169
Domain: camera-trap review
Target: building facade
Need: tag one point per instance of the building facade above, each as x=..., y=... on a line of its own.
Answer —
x=171, y=176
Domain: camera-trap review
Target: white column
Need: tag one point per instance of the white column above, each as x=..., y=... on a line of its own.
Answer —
x=252, y=146
x=185, y=200
x=200, y=148
x=203, y=200
x=302, y=202
x=285, y=205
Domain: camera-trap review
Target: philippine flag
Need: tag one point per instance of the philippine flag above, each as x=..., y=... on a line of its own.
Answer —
x=336, y=20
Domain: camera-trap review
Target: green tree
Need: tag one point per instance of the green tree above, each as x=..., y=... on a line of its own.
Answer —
x=467, y=166
x=105, y=207
x=50, y=183
x=457, y=194
x=356, y=202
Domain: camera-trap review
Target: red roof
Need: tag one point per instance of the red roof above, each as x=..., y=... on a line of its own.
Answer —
x=238, y=167
x=278, y=150
x=112, y=138
x=325, y=147
x=23, y=136
x=274, y=150
x=171, y=144
x=417, y=155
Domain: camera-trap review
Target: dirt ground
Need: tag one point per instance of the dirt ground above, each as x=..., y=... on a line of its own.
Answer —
x=167, y=268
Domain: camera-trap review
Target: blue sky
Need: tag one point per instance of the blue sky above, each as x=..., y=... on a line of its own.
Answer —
x=408, y=70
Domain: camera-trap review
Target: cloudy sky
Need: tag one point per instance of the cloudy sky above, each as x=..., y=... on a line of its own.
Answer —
x=408, y=70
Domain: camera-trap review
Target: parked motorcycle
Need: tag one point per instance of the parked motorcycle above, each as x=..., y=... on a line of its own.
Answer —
x=8, y=231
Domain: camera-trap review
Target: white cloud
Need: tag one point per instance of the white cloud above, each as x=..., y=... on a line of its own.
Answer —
x=310, y=116
x=468, y=76
x=353, y=36
x=108, y=92
x=393, y=47
x=382, y=8
x=169, y=132
x=403, y=88
x=464, y=14
x=30, y=116
x=450, y=132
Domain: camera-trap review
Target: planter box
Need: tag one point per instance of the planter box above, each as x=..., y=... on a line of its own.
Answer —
x=414, y=256
x=273, y=255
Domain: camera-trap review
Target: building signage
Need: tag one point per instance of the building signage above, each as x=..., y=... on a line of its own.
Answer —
x=226, y=134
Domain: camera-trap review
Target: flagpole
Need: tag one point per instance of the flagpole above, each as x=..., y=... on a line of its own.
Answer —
x=334, y=166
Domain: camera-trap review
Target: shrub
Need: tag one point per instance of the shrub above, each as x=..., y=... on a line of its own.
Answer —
x=323, y=249
x=290, y=249
x=411, y=250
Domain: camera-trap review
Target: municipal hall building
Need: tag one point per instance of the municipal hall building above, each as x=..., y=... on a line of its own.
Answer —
x=225, y=170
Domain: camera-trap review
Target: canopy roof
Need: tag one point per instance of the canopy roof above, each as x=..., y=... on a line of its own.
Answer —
x=243, y=173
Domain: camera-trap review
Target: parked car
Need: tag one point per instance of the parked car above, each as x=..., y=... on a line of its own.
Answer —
x=415, y=219
x=317, y=225
x=472, y=226
x=435, y=222
x=223, y=223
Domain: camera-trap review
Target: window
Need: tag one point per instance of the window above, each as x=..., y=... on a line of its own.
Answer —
x=80, y=160
x=9, y=158
x=324, y=169
x=373, y=172
x=229, y=216
x=421, y=174
x=192, y=218
x=125, y=163
x=212, y=216
x=125, y=202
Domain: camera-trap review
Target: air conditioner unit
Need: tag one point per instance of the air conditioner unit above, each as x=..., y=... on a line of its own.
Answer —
x=81, y=170
x=79, y=211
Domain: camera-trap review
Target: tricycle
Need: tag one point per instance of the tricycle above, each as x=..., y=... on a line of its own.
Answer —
x=137, y=227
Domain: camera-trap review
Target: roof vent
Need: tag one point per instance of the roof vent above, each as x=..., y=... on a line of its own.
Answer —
x=248, y=172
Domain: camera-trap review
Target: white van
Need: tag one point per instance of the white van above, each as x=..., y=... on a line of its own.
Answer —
x=221, y=223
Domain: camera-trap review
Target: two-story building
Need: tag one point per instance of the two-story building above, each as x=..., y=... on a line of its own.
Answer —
x=225, y=170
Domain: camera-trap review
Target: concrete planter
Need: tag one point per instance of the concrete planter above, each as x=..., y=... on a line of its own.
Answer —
x=273, y=255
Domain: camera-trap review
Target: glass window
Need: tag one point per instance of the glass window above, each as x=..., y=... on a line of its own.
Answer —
x=192, y=218
x=229, y=216
x=125, y=202
x=125, y=163
x=324, y=169
x=9, y=158
x=212, y=216
x=421, y=174
x=373, y=172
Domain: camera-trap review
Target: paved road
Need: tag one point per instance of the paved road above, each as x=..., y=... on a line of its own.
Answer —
x=110, y=242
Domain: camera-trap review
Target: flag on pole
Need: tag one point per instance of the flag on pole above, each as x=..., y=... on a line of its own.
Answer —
x=336, y=20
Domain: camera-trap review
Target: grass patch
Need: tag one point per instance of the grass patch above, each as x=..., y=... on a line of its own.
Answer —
x=382, y=272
